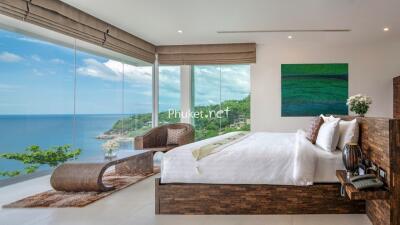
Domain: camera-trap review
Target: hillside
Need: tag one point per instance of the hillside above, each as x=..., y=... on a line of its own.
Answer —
x=237, y=119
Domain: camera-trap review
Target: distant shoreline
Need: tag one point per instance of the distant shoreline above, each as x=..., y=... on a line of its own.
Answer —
x=104, y=135
x=130, y=114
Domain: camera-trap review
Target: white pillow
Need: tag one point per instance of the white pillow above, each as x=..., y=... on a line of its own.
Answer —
x=328, y=135
x=348, y=132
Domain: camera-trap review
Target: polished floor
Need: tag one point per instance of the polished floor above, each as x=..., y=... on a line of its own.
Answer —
x=135, y=205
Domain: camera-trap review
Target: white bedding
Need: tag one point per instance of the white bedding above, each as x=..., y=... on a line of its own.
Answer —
x=327, y=164
x=260, y=158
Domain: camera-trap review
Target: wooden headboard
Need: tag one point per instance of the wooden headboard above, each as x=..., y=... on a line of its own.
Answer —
x=380, y=143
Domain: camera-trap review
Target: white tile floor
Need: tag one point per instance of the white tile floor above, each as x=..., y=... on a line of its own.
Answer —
x=135, y=205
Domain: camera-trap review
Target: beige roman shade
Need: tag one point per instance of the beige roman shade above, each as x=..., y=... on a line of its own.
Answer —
x=207, y=54
x=63, y=18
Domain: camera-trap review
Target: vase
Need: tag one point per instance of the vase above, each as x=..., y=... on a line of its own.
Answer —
x=351, y=156
x=110, y=153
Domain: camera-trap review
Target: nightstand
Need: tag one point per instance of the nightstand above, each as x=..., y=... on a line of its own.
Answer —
x=354, y=194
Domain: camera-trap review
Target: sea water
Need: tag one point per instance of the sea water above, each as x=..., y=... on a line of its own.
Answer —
x=20, y=131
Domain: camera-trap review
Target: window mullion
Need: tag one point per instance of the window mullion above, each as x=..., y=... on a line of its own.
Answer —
x=155, y=90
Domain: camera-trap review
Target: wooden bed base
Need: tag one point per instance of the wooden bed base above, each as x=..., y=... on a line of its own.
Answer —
x=380, y=143
x=252, y=199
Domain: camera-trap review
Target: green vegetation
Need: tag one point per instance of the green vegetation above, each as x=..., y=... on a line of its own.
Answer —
x=138, y=124
x=237, y=120
x=34, y=157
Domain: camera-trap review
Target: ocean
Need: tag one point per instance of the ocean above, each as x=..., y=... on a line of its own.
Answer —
x=20, y=131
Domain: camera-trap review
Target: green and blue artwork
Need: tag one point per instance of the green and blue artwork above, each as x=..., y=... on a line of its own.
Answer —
x=314, y=89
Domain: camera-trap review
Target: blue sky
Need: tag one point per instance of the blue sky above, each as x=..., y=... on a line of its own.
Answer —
x=37, y=77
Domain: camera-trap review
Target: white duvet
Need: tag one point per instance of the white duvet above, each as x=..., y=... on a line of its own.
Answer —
x=260, y=158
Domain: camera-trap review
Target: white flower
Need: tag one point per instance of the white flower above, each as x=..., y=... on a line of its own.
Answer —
x=359, y=103
x=111, y=145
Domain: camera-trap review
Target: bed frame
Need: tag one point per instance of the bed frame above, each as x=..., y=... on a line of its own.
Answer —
x=380, y=142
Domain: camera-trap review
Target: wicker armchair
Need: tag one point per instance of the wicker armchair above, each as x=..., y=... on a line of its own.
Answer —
x=156, y=139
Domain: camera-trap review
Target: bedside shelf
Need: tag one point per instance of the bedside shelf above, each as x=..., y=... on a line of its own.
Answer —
x=354, y=194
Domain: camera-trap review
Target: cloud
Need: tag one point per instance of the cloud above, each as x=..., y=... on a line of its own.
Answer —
x=169, y=84
x=36, y=41
x=232, y=82
x=9, y=57
x=36, y=58
x=93, y=68
x=212, y=84
x=57, y=61
x=8, y=87
x=37, y=72
x=142, y=75
x=112, y=70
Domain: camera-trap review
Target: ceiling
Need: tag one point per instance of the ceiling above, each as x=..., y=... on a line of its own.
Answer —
x=158, y=21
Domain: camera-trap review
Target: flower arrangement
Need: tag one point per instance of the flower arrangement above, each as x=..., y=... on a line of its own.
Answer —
x=110, y=148
x=359, y=104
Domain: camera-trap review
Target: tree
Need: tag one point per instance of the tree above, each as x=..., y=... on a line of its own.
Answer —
x=34, y=157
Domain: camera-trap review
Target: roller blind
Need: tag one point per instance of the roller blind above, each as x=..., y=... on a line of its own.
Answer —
x=63, y=18
x=207, y=54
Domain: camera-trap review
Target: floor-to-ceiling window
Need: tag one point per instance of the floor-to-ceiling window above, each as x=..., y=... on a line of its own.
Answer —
x=137, y=116
x=221, y=99
x=169, y=104
x=36, y=95
x=65, y=94
x=98, y=100
x=51, y=95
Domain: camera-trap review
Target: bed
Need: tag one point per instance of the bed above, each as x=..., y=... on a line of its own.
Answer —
x=258, y=158
x=182, y=190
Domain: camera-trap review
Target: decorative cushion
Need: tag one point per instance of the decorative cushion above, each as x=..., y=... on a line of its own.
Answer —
x=348, y=132
x=173, y=135
x=312, y=132
x=328, y=118
x=328, y=135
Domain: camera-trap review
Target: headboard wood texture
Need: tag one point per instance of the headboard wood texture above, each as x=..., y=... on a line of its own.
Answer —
x=396, y=97
x=380, y=143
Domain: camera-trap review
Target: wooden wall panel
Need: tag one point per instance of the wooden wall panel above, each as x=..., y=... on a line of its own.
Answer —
x=375, y=143
x=380, y=142
x=396, y=97
x=395, y=171
x=378, y=211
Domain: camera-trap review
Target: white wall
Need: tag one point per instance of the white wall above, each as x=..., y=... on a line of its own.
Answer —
x=371, y=69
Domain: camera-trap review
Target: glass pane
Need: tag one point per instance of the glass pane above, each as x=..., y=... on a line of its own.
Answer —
x=48, y=100
x=169, y=101
x=36, y=95
x=137, y=102
x=235, y=96
x=207, y=98
x=224, y=89
x=98, y=102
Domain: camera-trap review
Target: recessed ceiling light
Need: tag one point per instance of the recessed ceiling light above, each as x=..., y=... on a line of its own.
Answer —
x=290, y=37
x=386, y=29
x=180, y=31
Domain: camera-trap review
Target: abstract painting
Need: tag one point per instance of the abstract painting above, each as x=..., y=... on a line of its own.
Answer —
x=314, y=89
